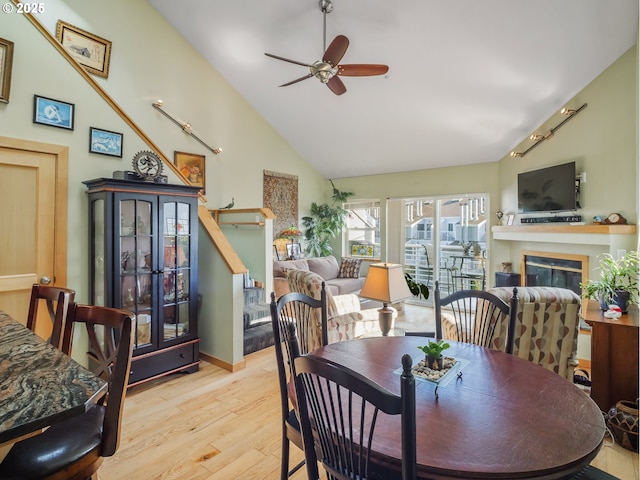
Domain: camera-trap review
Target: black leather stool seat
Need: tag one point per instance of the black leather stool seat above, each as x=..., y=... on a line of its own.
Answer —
x=61, y=445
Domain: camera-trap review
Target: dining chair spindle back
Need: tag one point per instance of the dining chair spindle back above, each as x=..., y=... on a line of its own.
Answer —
x=338, y=409
x=477, y=317
x=303, y=312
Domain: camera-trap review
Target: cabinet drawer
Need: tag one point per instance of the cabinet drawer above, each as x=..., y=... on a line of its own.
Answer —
x=163, y=361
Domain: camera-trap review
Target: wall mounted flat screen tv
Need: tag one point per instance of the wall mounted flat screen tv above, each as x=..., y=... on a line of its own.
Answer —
x=550, y=189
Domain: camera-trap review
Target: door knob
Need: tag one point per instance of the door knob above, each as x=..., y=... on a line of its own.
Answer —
x=45, y=280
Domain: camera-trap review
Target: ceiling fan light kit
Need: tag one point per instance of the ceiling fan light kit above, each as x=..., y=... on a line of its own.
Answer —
x=328, y=70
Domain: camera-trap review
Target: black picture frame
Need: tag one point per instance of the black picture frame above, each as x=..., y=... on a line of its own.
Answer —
x=105, y=142
x=53, y=113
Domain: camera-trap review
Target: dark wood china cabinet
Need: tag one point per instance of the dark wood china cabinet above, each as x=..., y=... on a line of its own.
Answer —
x=143, y=250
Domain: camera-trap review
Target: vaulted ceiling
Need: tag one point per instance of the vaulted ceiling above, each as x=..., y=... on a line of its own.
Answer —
x=468, y=80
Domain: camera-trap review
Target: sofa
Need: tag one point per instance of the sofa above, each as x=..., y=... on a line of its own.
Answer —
x=340, y=278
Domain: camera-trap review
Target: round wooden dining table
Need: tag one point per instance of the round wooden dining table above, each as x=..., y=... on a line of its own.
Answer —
x=503, y=417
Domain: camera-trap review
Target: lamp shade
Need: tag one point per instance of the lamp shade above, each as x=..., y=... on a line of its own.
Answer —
x=385, y=283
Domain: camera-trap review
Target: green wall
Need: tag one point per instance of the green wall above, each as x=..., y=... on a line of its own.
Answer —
x=602, y=140
x=149, y=60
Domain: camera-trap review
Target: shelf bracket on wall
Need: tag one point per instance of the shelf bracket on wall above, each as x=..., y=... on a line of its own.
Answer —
x=185, y=127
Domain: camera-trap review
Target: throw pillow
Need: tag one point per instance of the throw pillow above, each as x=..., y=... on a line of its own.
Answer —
x=350, y=268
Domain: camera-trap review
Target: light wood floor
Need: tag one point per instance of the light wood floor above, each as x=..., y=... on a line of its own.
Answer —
x=217, y=425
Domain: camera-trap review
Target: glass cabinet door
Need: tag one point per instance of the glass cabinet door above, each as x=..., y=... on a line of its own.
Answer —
x=135, y=239
x=98, y=250
x=176, y=307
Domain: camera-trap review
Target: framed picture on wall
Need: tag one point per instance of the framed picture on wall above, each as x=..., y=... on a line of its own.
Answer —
x=192, y=167
x=6, y=60
x=54, y=113
x=105, y=142
x=89, y=50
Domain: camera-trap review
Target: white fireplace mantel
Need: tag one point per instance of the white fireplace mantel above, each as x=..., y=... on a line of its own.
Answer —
x=583, y=234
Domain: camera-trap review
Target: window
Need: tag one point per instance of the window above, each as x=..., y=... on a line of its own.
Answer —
x=362, y=238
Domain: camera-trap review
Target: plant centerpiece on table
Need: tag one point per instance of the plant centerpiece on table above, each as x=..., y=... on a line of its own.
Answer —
x=433, y=354
x=618, y=282
x=324, y=223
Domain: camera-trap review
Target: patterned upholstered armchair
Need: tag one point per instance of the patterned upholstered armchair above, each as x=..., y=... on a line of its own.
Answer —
x=345, y=318
x=547, y=324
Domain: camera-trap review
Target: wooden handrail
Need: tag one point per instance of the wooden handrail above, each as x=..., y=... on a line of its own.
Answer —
x=225, y=249
x=107, y=98
x=229, y=255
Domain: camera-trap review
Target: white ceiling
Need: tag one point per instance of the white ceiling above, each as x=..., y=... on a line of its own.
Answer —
x=468, y=79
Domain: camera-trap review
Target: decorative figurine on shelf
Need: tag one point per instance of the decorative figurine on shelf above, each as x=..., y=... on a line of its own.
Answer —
x=230, y=205
x=499, y=214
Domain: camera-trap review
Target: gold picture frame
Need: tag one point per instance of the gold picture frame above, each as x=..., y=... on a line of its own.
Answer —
x=6, y=60
x=89, y=50
x=192, y=167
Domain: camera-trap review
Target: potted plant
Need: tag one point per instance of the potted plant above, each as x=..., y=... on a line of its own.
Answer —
x=618, y=282
x=324, y=223
x=433, y=354
x=416, y=288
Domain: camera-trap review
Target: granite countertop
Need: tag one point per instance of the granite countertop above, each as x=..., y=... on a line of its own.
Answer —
x=39, y=385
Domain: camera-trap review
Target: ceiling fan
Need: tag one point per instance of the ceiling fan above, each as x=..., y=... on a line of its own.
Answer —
x=328, y=70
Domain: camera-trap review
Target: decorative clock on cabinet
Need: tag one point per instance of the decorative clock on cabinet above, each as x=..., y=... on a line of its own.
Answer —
x=143, y=249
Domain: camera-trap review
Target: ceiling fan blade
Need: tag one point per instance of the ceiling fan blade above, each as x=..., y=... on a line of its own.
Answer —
x=336, y=86
x=296, y=80
x=336, y=50
x=362, y=70
x=287, y=60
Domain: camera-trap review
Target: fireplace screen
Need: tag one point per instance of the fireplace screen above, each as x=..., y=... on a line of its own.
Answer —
x=553, y=272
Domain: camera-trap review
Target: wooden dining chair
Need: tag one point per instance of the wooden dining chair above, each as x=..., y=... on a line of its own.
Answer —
x=57, y=300
x=476, y=316
x=338, y=409
x=75, y=448
x=304, y=313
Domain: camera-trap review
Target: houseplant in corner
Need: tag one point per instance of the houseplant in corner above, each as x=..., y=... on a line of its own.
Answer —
x=416, y=288
x=324, y=223
x=433, y=354
x=618, y=282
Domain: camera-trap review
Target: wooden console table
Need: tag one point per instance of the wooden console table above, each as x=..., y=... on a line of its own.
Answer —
x=614, y=355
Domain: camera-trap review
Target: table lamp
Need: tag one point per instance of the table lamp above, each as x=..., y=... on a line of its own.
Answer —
x=291, y=233
x=385, y=283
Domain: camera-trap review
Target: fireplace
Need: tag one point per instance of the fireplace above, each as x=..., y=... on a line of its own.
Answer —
x=548, y=269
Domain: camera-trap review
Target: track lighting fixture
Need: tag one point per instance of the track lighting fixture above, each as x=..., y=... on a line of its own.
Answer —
x=186, y=127
x=537, y=138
